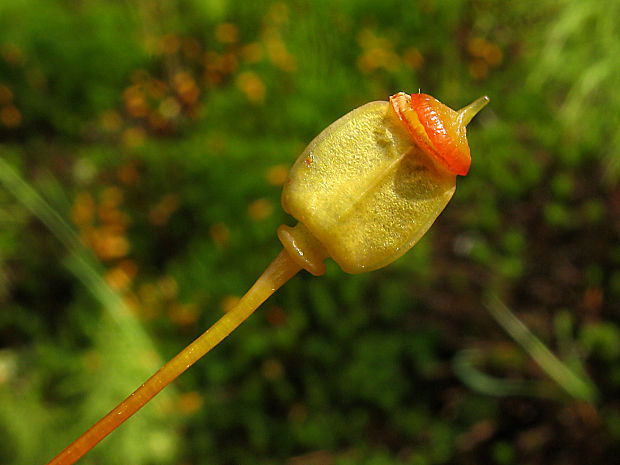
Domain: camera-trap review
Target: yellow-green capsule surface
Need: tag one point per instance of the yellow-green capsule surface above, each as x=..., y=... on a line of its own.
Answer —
x=365, y=189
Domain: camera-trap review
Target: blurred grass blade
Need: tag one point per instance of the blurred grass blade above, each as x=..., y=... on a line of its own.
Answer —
x=464, y=366
x=80, y=260
x=578, y=387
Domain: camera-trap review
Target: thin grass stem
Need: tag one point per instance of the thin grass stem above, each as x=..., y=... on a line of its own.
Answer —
x=576, y=386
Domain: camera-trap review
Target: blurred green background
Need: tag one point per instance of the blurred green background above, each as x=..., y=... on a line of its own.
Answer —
x=143, y=146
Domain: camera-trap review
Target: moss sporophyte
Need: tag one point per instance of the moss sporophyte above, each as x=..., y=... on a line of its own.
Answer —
x=364, y=191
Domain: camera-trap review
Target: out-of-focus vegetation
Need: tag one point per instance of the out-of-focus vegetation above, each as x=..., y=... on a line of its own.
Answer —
x=142, y=149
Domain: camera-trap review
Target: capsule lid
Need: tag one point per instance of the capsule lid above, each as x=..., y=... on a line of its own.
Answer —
x=437, y=129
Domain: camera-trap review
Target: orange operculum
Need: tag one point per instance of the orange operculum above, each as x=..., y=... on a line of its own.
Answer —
x=435, y=128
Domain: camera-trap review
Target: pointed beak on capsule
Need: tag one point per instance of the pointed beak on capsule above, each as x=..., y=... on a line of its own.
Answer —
x=466, y=114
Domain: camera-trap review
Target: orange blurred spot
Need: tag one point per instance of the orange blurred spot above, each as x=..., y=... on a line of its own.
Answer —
x=87, y=235
x=210, y=77
x=135, y=102
x=377, y=53
x=169, y=44
x=157, y=121
x=260, y=209
x=156, y=89
x=252, y=53
x=366, y=38
x=10, y=116
x=229, y=302
x=252, y=86
x=133, y=137
x=196, y=111
x=168, y=287
x=119, y=278
x=272, y=369
x=115, y=221
x=298, y=414
x=413, y=58
x=137, y=107
x=128, y=174
x=190, y=402
x=111, y=197
x=276, y=175
x=488, y=51
x=131, y=302
x=276, y=316
x=224, y=64
x=493, y=55
x=160, y=214
x=277, y=13
x=593, y=298
x=109, y=246
x=83, y=210
x=279, y=55
x=12, y=54
x=227, y=63
x=170, y=202
x=6, y=95
x=378, y=57
x=227, y=33
x=36, y=78
x=478, y=69
x=183, y=315
x=110, y=121
x=191, y=48
x=210, y=59
x=588, y=414
x=367, y=63
x=152, y=44
x=139, y=76
x=186, y=87
x=189, y=93
x=149, y=296
x=478, y=433
x=181, y=78
x=476, y=46
x=218, y=66
x=219, y=233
